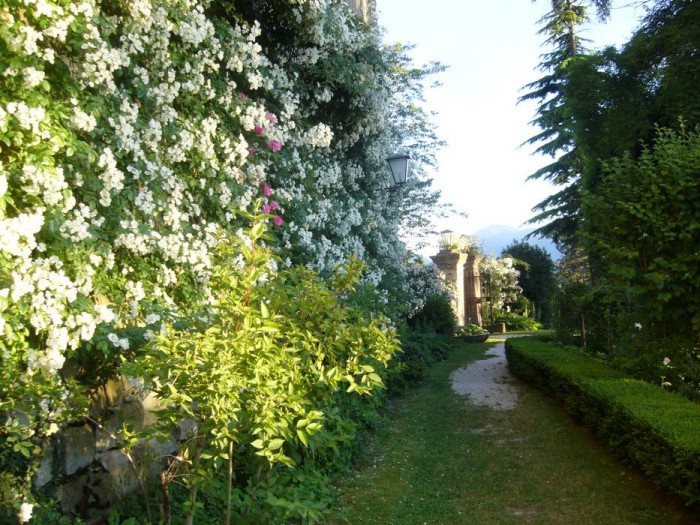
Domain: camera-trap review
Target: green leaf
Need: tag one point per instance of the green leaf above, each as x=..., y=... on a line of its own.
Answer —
x=276, y=444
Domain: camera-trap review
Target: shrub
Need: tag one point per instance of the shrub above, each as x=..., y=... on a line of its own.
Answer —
x=420, y=350
x=281, y=374
x=518, y=323
x=470, y=329
x=436, y=316
x=655, y=430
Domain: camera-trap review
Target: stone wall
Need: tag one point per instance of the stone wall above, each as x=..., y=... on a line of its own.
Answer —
x=83, y=467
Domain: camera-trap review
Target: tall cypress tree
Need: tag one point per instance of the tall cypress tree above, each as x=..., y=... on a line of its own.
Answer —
x=557, y=137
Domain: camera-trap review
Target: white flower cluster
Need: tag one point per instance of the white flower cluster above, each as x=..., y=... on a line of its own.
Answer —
x=82, y=121
x=173, y=125
x=29, y=118
x=48, y=183
x=19, y=233
x=319, y=136
x=50, y=293
x=25, y=512
x=33, y=77
x=112, y=178
x=83, y=218
x=196, y=28
x=122, y=343
x=500, y=274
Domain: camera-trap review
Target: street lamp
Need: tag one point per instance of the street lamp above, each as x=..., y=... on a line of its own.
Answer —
x=447, y=239
x=399, y=168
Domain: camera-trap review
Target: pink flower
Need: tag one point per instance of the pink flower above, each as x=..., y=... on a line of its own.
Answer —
x=274, y=205
x=243, y=96
x=258, y=130
x=278, y=220
x=266, y=208
x=272, y=118
x=265, y=187
x=274, y=145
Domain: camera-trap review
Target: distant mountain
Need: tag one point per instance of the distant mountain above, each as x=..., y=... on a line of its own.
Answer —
x=494, y=238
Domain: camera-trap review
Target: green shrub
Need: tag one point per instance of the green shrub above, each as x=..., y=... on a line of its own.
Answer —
x=651, y=428
x=420, y=351
x=436, y=316
x=518, y=323
x=470, y=329
x=280, y=378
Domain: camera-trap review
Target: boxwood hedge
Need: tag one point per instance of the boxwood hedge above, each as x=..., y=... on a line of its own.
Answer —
x=648, y=427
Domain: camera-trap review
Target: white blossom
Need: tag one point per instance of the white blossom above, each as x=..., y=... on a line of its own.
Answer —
x=33, y=77
x=82, y=121
x=25, y=512
x=319, y=136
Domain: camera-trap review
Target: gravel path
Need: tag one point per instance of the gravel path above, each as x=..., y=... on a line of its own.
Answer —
x=487, y=382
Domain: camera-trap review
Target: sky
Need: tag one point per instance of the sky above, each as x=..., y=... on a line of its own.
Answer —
x=492, y=49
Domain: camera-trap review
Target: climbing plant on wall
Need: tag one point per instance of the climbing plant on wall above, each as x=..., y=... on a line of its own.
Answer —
x=138, y=140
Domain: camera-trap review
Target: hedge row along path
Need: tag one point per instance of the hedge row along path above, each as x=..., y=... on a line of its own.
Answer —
x=497, y=451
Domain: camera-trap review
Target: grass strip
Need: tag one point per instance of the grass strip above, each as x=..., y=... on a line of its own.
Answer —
x=653, y=429
x=437, y=459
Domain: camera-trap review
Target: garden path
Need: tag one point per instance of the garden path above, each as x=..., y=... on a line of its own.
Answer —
x=473, y=445
x=487, y=382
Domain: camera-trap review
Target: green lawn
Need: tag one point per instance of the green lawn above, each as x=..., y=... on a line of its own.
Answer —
x=438, y=460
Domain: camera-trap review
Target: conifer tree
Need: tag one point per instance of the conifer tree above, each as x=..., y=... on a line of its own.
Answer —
x=557, y=136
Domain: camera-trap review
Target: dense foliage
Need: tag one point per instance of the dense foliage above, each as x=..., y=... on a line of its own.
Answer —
x=654, y=430
x=556, y=137
x=627, y=213
x=145, y=149
x=535, y=276
x=499, y=286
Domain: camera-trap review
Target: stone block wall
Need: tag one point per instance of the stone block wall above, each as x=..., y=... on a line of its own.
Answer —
x=83, y=467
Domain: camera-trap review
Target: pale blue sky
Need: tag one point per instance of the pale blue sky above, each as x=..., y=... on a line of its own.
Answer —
x=492, y=48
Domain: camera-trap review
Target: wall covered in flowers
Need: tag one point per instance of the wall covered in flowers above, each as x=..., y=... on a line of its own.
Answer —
x=145, y=147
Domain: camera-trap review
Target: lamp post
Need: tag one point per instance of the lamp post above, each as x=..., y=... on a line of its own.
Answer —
x=399, y=168
x=446, y=240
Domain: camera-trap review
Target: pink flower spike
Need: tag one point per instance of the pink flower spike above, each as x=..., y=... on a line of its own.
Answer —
x=274, y=205
x=274, y=145
x=266, y=208
x=258, y=130
x=243, y=95
x=265, y=187
x=272, y=118
x=278, y=220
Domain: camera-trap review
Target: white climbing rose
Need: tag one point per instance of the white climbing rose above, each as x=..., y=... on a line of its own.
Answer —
x=25, y=512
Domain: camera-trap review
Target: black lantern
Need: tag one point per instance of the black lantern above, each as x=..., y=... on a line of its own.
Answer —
x=447, y=239
x=399, y=168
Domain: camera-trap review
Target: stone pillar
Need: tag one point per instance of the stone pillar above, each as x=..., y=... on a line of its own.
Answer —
x=472, y=290
x=365, y=9
x=451, y=268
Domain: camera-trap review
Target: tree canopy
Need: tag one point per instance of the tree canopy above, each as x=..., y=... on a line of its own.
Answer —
x=622, y=125
x=536, y=276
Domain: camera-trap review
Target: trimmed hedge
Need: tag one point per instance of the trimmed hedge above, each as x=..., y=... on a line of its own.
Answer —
x=650, y=428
